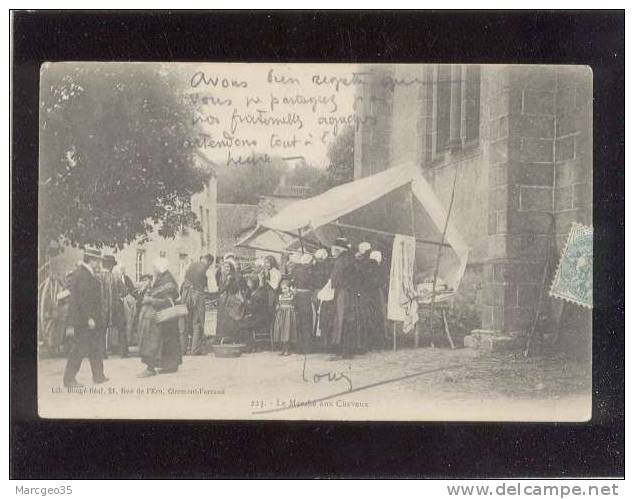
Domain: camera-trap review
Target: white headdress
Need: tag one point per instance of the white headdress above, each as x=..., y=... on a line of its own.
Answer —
x=364, y=247
x=321, y=254
x=161, y=264
x=376, y=256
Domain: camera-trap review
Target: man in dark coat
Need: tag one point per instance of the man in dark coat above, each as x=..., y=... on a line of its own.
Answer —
x=362, y=292
x=85, y=317
x=193, y=295
x=324, y=310
x=345, y=332
x=112, y=309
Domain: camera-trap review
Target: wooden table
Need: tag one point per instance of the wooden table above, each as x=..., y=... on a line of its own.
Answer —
x=442, y=303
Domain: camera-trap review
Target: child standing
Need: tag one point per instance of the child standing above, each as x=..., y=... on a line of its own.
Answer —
x=285, y=326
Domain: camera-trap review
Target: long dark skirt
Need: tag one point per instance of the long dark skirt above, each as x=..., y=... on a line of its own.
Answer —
x=368, y=326
x=160, y=344
x=345, y=331
x=380, y=330
x=304, y=312
x=227, y=326
x=324, y=318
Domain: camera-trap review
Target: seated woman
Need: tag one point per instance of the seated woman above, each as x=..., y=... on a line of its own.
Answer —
x=160, y=343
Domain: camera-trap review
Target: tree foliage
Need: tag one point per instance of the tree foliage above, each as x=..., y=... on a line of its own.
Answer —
x=245, y=184
x=341, y=158
x=112, y=163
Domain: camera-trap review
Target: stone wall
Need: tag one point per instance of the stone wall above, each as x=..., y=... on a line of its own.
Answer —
x=520, y=185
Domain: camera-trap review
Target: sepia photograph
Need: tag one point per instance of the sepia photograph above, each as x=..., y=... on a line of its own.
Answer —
x=303, y=241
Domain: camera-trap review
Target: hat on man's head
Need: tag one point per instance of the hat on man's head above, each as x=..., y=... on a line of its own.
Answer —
x=342, y=242
x=93, y=253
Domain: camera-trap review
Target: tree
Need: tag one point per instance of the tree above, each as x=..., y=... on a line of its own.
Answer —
x=113, y=166
x=308, y=175
x=341, y=158
x=245, y=184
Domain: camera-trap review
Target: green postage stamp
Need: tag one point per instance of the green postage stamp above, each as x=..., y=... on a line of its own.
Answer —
x=573, y=279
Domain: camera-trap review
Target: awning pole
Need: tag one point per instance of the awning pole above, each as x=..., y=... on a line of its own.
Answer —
x=442, y=240
x=394, y=334
x=258, y=248
x=385, y=233
x=301, y=241
x=413, y=223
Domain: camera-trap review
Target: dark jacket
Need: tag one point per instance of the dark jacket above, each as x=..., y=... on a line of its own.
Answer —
x=196, y=275
x=343, y=272
x=85, y=299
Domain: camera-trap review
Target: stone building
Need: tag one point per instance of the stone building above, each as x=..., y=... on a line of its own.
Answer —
x=520, y=138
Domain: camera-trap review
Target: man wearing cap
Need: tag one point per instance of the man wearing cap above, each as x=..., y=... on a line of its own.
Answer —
x=85, y=317
x=193, y=295
x=345, y=332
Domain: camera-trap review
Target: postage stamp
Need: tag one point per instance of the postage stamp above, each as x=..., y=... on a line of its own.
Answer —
x=573, y=279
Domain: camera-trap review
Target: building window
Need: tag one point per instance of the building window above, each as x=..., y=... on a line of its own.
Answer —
x=457, y=106
x=139, y=264
x=163, y=254
x=443, y=107
x=472, y=103
x=202, y=225
x=208, y=231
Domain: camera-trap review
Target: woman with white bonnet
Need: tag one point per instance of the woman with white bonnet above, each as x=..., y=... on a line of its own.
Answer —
x=377, y=280
x=160, y=348
x=364, y=248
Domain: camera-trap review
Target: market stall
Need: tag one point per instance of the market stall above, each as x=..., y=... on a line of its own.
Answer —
x=396, y=202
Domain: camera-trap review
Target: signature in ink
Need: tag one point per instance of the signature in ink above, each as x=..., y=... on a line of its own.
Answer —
x=329, y=376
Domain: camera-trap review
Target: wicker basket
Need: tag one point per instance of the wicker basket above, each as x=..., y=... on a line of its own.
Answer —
x=228, y=350
x=176, y=311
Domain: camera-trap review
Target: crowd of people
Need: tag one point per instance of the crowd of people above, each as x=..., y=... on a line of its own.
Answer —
x=332, y=300
x=107, y=311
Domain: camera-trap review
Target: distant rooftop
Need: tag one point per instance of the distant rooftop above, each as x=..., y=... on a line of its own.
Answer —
x=292, y=191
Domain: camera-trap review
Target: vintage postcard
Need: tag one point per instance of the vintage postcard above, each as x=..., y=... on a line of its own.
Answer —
x=366, y=242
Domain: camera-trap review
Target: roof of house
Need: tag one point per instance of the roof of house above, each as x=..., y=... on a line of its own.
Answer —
x=292, y=191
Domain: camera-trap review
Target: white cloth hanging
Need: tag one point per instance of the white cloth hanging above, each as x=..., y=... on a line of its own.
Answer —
x=401, y=298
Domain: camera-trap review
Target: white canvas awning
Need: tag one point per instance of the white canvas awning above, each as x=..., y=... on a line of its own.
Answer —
x=397, y=200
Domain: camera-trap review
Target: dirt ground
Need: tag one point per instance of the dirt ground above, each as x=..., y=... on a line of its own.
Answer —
x=410, y=384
